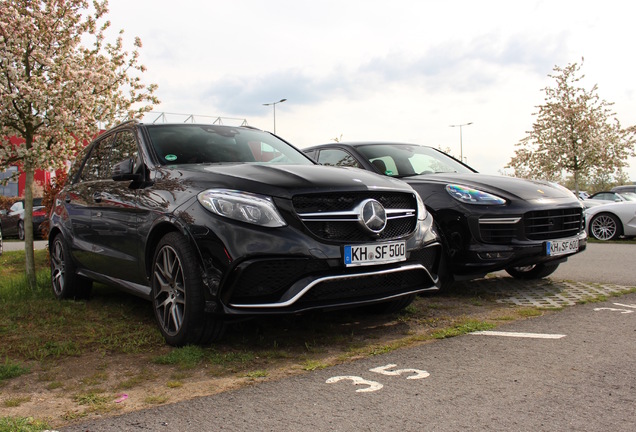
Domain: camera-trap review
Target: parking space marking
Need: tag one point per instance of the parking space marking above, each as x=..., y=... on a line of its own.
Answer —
x=623, y=311
x=519, y=335
x=356, y=380
x=384, y=370
x=388, y=370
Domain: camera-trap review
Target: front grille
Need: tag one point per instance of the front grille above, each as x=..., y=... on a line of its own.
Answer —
x=535, y=225
x=498, y=233
x=333, y=217
x=552, y=224
x=353, y=231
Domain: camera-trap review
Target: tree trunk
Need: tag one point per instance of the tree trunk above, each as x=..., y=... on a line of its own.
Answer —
x=576, y=183
x=28, y=227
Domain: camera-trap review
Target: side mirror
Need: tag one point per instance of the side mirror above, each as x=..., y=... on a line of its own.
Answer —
x=124, y=171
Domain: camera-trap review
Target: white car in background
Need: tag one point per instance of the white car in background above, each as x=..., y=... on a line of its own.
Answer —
x=608, y=196
x=611, y=221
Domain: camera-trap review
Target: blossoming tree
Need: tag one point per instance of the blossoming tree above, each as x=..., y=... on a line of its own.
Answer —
x=59, y=79
x=575, y=132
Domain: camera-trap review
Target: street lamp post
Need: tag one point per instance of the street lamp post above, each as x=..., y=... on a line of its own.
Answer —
x=273, y=104
x=461, y=146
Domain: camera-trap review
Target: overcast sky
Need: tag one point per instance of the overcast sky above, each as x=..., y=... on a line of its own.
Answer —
x=393, y=70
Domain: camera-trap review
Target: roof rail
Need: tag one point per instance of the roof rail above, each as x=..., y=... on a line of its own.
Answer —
x=166, y=117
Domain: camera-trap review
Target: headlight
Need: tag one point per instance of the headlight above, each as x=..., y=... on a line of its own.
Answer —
x=242, y=206
x=421, y=208
x=473, y=196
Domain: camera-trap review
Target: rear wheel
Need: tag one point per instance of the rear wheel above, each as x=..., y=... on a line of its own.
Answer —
x=605, y=226
x=21, y=230
x=535, y=271
x=66, y=283
x=178, y=294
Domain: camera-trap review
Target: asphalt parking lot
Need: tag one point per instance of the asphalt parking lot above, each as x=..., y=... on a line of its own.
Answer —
x=570, y=370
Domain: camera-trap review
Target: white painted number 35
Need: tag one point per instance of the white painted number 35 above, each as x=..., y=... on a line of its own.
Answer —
x=383, y=370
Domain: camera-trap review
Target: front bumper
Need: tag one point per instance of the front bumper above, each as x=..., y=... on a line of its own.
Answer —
x=255, y=271
x=480, y=259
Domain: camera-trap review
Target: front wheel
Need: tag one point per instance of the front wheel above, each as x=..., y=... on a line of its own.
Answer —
x=66, y=283
x=605, y=226
x=178, y=294
x=535, y=271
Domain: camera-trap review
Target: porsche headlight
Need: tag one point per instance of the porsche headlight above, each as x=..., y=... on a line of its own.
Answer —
x=469, y=195
x=242, y=206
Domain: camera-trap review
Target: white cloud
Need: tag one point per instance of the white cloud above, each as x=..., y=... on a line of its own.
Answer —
x=375, y=70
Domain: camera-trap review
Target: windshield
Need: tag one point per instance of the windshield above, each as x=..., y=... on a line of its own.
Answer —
x=194, y=144
x=404, y=160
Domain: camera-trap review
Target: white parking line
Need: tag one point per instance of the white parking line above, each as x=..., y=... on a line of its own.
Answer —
x=520, y=335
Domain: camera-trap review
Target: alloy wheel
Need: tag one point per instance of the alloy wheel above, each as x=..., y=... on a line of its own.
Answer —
x=57, y=267
x=604, y=227
x=170, y=295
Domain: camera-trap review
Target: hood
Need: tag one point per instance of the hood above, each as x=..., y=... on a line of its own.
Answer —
x=283, y=181
x=506, y=187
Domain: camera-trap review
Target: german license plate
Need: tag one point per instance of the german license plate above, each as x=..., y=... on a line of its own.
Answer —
x=370, y=254
x=562, y=247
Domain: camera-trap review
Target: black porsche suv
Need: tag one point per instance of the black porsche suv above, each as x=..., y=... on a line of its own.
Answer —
x=212, y=222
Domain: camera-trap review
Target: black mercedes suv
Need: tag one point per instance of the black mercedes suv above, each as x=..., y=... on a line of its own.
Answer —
x=212, y=222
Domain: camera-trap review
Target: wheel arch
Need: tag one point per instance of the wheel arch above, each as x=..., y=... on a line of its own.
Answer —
x=155, y=235
x=52, y=233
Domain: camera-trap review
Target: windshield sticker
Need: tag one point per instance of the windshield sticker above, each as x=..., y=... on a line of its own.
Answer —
x=171, y=158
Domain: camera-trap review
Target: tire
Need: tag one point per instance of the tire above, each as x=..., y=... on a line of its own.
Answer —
x=536, y=271
x=392, y=306
x=445, y=275
x=21, y=230
x=605, y=226
x=66, y=283
x=178, y=294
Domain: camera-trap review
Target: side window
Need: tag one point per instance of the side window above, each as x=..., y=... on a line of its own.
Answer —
x=97, y=165
x=337, y=157
x=124, y=147
x=605, y=196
